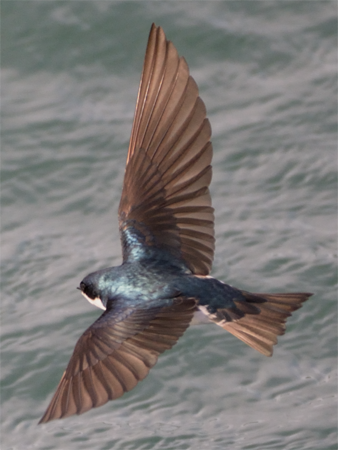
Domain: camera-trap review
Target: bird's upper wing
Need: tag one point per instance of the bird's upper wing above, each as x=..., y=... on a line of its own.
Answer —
x=165, y=203
x=115, y=353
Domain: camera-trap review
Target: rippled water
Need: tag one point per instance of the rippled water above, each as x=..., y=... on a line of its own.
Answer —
x=267, y=73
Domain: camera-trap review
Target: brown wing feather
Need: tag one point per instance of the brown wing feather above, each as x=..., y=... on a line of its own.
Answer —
x=165, y=193
x=111, y=358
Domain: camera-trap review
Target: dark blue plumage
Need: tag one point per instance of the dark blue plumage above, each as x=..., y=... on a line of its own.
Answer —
x=148, y=281
x=166, y=226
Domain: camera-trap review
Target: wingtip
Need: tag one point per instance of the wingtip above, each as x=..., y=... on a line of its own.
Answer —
x=154, y=29
x=46, y=417
x=43, y=419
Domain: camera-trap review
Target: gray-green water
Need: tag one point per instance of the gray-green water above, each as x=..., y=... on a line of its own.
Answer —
x=267, y=73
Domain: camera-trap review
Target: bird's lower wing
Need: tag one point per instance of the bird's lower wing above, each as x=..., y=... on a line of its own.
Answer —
x=113, y=355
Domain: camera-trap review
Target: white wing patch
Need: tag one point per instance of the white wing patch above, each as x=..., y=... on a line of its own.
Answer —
x=96, y=302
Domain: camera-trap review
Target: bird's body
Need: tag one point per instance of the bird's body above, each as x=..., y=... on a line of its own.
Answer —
x=143, y=283
x=166, y=226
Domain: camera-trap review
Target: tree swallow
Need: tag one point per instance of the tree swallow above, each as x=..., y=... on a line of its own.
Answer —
x=166, y=224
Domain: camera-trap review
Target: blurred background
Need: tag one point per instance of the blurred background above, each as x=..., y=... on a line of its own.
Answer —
x=267, y=74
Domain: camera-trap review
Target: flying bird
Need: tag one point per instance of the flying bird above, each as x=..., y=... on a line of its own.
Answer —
x=166, y=225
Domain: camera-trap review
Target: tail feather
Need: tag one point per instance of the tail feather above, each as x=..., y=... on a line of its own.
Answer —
x=259, y=326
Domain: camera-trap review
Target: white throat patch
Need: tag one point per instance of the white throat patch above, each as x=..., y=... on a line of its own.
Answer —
x=96, y=302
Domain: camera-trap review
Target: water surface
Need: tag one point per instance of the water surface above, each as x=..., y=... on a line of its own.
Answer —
x=267, y=73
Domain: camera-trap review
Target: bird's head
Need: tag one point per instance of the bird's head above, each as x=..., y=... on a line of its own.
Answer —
x=90, y=291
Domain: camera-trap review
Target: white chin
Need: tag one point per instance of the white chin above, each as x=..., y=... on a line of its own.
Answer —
x=96, y=302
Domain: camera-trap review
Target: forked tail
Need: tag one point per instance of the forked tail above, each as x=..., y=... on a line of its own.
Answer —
x=260, y=319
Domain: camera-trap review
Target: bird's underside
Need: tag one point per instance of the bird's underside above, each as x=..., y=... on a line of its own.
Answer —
x=165, y=215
